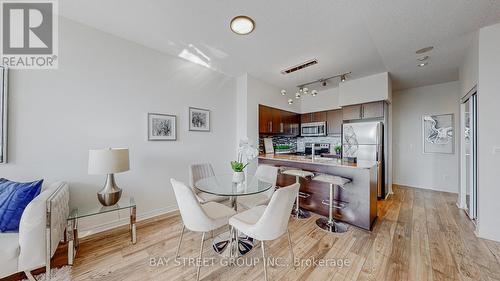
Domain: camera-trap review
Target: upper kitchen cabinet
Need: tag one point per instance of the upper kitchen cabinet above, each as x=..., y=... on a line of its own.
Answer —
x=373, y=110
x=275, y=121
x=363, y=111
x=352, y=112
x=313, y=117
x=334, y=122
x=365, y=90
x=265, y=119
x=319, y=116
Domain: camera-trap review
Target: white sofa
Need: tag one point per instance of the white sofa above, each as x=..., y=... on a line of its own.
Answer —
x=42, y=227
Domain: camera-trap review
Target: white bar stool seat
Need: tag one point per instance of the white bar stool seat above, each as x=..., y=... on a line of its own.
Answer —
x=329, y=224
x=298, y=212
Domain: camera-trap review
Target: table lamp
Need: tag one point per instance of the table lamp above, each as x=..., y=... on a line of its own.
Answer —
x=108, y=162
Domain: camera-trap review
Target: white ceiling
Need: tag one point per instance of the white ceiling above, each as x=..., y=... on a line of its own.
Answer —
x=362, y=36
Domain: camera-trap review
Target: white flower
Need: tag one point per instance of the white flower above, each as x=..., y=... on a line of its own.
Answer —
x=247, y=150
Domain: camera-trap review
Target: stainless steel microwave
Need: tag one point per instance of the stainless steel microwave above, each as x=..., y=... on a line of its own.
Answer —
x=313, y=129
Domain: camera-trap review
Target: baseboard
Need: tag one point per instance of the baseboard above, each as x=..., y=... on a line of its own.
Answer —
x=124, y=221
x=428, y=188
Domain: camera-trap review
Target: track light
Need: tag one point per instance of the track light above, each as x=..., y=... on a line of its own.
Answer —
x=297, y=95
x=324, y=83
x=342, y=78
x=290, y=101
x=314, y=93
x=283, y=92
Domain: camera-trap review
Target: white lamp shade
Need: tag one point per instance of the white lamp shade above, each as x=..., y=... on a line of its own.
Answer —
x=108, y=161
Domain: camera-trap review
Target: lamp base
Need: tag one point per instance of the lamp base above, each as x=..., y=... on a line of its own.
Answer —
x=110, y=194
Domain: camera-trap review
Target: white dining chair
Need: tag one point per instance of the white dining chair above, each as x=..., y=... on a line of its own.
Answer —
x=198, y=172
x=270, y=222
x=265, y=173
x=196, y=217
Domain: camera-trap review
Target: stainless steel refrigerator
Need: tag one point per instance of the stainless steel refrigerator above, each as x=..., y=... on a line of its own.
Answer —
x=365, y=141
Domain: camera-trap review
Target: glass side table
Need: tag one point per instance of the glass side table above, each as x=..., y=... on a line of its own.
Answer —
x=94, y=209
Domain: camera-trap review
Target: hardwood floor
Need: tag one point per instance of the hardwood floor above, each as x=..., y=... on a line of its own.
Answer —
x=419, y=235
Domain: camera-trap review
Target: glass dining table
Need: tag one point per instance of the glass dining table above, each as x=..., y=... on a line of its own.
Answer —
x=223, y=185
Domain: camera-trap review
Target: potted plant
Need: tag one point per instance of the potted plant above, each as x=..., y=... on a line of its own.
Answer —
x=338, y=149
x=247, y=151
x=238, y=174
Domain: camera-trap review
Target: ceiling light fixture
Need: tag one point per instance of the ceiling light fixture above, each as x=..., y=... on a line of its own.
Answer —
x=424, y=58
x=422, y=64
x=242, y=25
x=303, y=90
x=424, y=50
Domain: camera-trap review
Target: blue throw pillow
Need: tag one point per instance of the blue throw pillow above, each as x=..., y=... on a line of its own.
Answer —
x=14, y=197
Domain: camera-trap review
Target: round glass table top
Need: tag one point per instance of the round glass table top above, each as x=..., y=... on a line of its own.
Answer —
x=223, y=185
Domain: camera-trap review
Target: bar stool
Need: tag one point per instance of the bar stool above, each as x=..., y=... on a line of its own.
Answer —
x=298, y=212
x=329, y=224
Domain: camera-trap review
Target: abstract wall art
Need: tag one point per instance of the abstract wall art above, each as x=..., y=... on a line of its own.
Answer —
x=438, y=133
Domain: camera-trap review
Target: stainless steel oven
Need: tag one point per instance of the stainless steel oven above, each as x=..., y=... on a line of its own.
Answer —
x=313, y=129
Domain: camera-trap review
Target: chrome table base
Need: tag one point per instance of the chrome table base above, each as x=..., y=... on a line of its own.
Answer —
x=222, y=245
x=331, y=226
x=300, y=213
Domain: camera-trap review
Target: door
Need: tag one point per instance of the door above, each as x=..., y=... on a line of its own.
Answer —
x=334, y=122
x=469, y=156
x=351, y=112
x=373, y=110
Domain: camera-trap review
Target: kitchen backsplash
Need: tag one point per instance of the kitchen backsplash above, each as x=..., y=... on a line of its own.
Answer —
x=280, y=140
x=298, y=143
x=301, y=142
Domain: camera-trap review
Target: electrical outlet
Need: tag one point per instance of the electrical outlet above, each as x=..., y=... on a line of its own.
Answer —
x=495, y=150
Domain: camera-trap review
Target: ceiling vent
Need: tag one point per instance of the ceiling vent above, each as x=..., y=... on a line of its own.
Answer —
x=299, y=66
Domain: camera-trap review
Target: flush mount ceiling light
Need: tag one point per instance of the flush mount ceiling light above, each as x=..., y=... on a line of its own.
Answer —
x=424, y=50
x=242, y=25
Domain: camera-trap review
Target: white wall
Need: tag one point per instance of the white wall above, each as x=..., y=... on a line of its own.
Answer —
x=366, y=89
x=489, y=133
x=410, y=166
x=469, y=68
x=99, y=98
x=325, y=100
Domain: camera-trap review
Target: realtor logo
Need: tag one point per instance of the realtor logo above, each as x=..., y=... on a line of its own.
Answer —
x=29, y=34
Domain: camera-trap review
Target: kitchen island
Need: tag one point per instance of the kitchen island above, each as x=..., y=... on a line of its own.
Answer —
x=358, y=199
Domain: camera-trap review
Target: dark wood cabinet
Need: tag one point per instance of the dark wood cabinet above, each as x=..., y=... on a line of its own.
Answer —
x=334, y=122
x=363, y=111
x=373, y=110
x=306, y=118
x=265, y=119
x=319, y=116
x=352, y=112
x=275, y=121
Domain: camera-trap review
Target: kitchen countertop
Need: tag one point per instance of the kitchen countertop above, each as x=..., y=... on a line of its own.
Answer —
x=362, y=164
